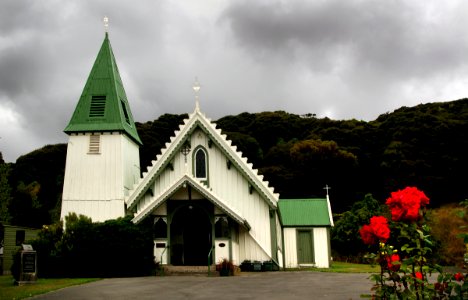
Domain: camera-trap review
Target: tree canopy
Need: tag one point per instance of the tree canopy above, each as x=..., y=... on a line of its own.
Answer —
x=423, y=146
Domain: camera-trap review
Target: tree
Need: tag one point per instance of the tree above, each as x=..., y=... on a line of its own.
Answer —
x=5, y=193
x=26, y=209
x=44, y=169
x=345, y=238
x=447, y=223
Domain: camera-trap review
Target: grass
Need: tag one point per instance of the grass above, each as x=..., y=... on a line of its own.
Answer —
x=343, y=267
x=10, y=291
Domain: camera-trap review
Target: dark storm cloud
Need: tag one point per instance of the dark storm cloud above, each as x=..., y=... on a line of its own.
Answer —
x=397, y=38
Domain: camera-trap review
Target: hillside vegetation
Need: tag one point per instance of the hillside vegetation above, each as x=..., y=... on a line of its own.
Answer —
x=424, y=146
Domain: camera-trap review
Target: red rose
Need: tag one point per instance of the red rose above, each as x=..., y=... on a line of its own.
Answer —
x=367, y=235
x=405, y=204
x=376, y=231
x=459, y=276
x=393, y=262
x=418, y=275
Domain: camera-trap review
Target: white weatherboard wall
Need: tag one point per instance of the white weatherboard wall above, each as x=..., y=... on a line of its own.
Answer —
x=321, y=242
x=95, y=184
x=233, y=188
x=229, y=185
x=221, y=249
x=321, y=248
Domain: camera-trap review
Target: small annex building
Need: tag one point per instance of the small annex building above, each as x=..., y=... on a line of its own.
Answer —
x=11, y=239
x=204, y=199
x=306, y=230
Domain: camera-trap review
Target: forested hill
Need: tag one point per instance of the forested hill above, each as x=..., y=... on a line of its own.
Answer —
x=424, y=146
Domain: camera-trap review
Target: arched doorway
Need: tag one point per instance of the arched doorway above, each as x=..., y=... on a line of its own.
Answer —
x=190, y=235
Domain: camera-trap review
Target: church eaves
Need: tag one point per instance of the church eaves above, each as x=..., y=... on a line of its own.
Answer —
x=103, y=105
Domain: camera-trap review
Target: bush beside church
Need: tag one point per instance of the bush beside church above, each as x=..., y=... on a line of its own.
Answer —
x=115, y=248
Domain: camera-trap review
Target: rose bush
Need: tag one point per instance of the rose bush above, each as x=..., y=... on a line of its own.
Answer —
x=403, y=248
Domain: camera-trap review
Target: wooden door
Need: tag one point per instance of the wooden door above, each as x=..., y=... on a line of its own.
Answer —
x=305, y=248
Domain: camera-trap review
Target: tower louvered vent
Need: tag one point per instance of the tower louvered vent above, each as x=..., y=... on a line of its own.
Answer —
x=94, y=144
x=98, y=106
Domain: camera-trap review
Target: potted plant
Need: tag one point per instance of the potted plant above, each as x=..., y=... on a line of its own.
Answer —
x=225, y=267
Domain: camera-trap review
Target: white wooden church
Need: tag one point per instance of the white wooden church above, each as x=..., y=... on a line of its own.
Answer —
x=203, y=197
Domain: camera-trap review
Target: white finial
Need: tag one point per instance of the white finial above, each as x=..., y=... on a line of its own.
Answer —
x=106, y=23
x=196, y=89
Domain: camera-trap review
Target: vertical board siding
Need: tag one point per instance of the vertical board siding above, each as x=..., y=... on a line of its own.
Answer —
x=95, y=184
x=321, y=247
x=290, y=248
x=321, y=241
x=230, y=186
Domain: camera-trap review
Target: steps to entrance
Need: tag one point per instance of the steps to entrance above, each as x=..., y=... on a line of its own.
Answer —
x=169, y=270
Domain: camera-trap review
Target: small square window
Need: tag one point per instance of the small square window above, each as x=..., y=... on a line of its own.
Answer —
x=20, y=236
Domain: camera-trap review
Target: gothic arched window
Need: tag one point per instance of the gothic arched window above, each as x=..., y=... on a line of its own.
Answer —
x=200, y=164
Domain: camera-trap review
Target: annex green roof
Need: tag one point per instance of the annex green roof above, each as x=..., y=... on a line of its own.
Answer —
x=304, y=212
x=103, y=105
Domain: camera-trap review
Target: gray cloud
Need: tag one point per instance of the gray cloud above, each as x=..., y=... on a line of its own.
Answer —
x=343, y=59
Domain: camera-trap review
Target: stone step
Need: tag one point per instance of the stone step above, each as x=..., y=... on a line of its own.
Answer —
x=189, y=270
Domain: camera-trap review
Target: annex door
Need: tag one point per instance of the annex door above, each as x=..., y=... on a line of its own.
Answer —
x=191, y=241
x=305, y=248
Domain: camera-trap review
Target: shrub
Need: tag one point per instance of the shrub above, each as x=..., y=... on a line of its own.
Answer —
x=447, y=223
x=115, y=248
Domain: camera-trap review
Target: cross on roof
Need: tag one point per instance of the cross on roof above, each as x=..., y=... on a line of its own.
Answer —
x=327, y=188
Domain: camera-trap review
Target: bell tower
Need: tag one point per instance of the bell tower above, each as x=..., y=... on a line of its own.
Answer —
x=102, y=161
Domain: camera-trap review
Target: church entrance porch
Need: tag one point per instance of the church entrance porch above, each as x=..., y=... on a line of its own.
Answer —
x=191, y=232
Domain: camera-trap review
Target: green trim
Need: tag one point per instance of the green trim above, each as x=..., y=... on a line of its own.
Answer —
x=274, y=241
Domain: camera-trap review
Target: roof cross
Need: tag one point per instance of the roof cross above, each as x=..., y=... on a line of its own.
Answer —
x=327, y=188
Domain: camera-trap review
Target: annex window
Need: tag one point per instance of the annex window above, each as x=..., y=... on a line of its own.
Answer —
x=94, y=144
x=124, y=109
x=98, y=106
x=20, y=236
x=200, y=164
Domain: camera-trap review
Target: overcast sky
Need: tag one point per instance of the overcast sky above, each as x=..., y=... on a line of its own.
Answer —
x=341, y=59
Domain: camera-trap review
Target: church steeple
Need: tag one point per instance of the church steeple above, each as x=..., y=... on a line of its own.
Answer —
x=103, y=105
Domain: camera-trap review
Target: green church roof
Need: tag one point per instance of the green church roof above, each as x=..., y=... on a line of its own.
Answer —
x=103, y=105
x=304, y=212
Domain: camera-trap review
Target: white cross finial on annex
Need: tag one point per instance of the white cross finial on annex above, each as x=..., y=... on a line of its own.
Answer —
x=196, y=89
x=105, y=20
x=327, y=188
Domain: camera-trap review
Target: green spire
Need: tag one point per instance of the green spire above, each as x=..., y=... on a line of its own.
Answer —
x=103, y=105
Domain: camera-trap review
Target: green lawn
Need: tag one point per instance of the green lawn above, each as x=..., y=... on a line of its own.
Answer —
x=343, y=267
x=10, y=291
